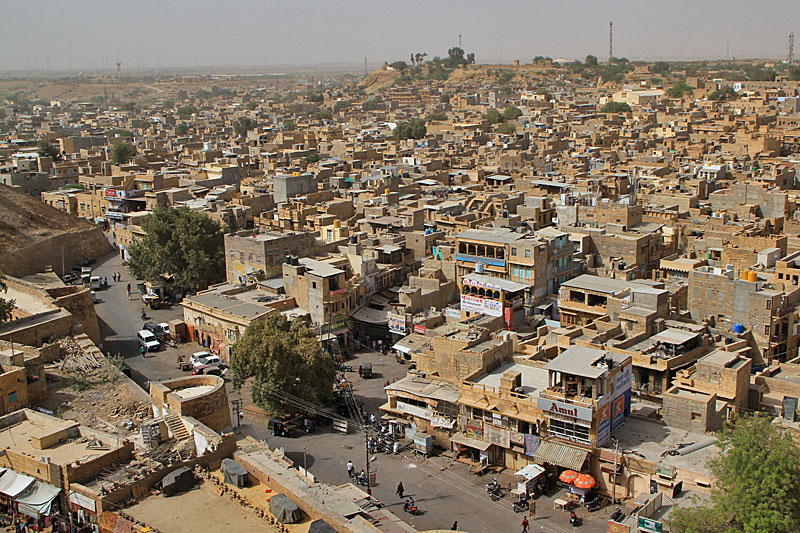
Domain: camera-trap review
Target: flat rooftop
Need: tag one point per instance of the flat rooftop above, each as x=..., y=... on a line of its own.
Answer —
x=534, y=379
x=583, y=361
x=193, y=392
x=28, y=303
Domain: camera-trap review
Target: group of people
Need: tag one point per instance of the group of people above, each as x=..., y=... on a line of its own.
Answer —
x=116, y=276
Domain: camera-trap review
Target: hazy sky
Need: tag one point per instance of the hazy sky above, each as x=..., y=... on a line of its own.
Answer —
x=87, y=34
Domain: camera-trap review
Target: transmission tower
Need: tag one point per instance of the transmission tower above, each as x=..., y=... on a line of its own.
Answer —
x=610, y=41
x=791, y=48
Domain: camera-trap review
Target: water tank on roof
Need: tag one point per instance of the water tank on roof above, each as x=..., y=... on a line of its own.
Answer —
x=479, y=268
x=353, y=239
x=738, y=328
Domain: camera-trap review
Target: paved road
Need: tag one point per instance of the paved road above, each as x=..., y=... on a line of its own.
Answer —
x=445, y=492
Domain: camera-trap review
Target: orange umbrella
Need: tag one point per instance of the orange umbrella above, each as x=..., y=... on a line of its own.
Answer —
x=584, y=481
x=568, y=476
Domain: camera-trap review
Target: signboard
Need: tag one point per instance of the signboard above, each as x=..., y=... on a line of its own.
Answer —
x=603, y=420
x=474, y=429
x=623, y=381
x=531, y=445
x=473, y=304
x=565, y=410
x=397, y=324
x=651, y=526
x=338, y=322
x=619, y=412
x=478, y=259
x=414, y=410
x=419, y=328
x=442, y=422
x=498, y=436
x=452, y=312
x=517, y=438
x=83, y=501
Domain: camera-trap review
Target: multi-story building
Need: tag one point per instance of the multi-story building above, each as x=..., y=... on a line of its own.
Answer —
x=248, y=253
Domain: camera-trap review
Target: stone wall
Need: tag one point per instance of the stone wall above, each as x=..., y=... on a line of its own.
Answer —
x=74, y=246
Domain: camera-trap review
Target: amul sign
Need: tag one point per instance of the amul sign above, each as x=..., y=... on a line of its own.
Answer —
x=562, y=409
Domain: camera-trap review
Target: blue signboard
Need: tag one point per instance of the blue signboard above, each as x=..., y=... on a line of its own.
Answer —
x=479, y=259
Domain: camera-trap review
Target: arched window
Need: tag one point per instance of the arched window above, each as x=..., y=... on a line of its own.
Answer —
x=462, y=248
x=501, y=253
x=481, y=292
x=471, y=249
x=481, y=250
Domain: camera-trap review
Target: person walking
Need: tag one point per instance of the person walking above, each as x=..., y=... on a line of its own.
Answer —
x=400, y=489
x=350, y=468
x=143, y=350
x=525, y=524
x=359, y=370
x=455, y=526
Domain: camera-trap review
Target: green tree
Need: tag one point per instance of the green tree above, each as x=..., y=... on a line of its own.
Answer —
x=725, y=93
x=413, y=129
x=282, y=357
x=794, y=73
x=6, y=306
x=243, y=125
x=399, y=65
x=590, y=61
x=757, y=483
x=289, y=125
x=182, y=129
x=322, y=114
x=179, y=242
x=493, y=116
x=436, y=116
x=47, y=149
x=507, y=128
x=121, y=152
x=186, y=111
x=679, y=89
x=313, y=157
x=615, y=107
x=660, y=67
x=511, y=112
x=455, y=57
x=341, y=105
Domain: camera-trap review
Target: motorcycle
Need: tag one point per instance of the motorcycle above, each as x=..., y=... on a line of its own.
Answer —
x=494, y=490
x=520, y=506
x=411, y=508
x=361, y=479
x=617, y=515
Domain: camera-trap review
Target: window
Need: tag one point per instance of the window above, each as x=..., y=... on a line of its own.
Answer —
x=769, y=304
x=695, y=416
x=570, y=431
x=313, y=284
x=527, y=254
x=513, y=251
x=766, y=330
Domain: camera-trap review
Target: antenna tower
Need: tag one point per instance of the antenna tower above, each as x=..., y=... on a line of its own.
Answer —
x=610, y=41
x=791, y=48
x=459, y=40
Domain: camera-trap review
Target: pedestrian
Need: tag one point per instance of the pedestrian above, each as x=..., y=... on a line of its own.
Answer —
x=400, y=489
x=455, y=526
x=525, y=524
x=105, y=280
x=143, y=350
x=359, y=370
x=350, y=468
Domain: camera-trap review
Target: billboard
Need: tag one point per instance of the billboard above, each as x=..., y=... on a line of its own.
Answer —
x=397, y=324
x=473, y=304
x=564, y=410
x=603, y=420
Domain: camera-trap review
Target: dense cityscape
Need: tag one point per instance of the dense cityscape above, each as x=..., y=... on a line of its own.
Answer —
x=439, y=294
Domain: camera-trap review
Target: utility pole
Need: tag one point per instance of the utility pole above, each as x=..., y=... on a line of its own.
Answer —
x=614, y=477
x=610, y=41
x=459, y=40
x=727, y=48
x=365, y=67
x=237, y=413
x=366, y=450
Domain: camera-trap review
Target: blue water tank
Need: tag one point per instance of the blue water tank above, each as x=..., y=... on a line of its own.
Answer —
x=738, y=328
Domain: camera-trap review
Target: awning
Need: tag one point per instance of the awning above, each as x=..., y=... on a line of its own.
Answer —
x=12, y=484
x=530, y=472
x=460, y=438
x=560, y=455
x=37, y=501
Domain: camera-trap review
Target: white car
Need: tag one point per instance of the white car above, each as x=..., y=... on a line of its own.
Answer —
x=204, y=359
x=164, y=327
x=148, y=341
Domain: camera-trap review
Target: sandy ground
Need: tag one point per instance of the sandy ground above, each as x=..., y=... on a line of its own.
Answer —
x=203, y=510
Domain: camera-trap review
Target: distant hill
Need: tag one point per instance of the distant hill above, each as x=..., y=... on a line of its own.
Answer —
x=32, y=235
x=378, y=79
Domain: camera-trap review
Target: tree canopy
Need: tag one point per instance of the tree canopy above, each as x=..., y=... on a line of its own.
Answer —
x=47, y=149
x=282, y=356
x=512, y=112
x=186, y=111
x=493, y=116
x=757, y=482
x=184, y=244
x=679, y=89
x=722, y=94
x=413, y=129
x=615, y=107
x=121, y=152
x=6, y=306
x=590, y=61
x=182, y=129
x=243, y=125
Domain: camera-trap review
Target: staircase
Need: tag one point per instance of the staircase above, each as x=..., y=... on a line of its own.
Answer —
x=176, y=427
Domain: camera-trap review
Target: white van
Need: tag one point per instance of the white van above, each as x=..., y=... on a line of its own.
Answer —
x=148, y=340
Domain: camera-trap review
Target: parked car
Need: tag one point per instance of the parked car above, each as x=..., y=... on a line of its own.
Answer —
x=148, y=340
x=164, y=327
x=155, y=329
x=209, y=370
x=205, y=358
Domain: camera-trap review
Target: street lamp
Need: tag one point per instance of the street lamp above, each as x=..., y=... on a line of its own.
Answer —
x=614, y=475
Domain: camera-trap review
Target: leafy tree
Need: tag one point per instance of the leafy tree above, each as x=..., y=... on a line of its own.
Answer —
x=444, y=98
x=6, y=306
x=121, y=152
x=182, y=129
x=512, y=113
x=243, y=125
x=313, y=157
x=471, y=58
x=660, y=67
x=722, y=94
x=413, y=129
x=794, y=73
x=251, y=106
x=507, y=128
x=590, y=61
x=341, y=105
x=179, y=242
x=615, y=107
x=493, y=116
x=679, y=89
x=757, y=483
x=47, y=149
x=455, y=57
x=129, y=106
x=372, y=105
x=322, y=114
x=436, y=116
x=186, y=111
x=399, y=65
x=283, y=357
x=289, y=125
